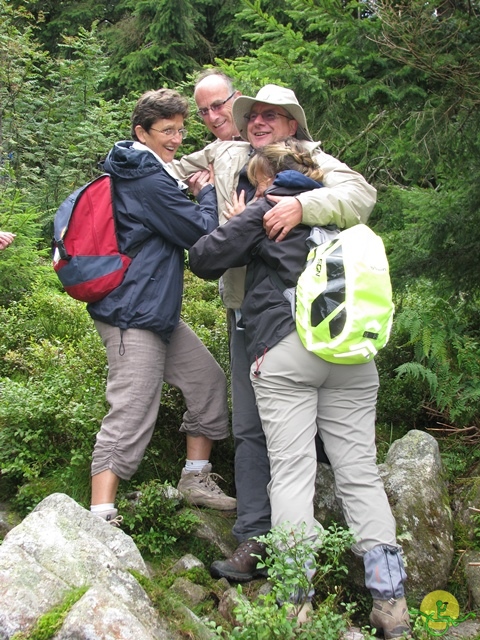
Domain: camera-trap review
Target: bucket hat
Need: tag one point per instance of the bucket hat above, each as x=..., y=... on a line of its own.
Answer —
x=276, y=96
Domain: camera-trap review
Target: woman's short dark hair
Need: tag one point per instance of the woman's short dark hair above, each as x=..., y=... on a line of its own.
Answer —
x=153, y=105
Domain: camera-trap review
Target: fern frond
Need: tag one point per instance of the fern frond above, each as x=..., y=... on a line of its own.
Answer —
x=417, y=371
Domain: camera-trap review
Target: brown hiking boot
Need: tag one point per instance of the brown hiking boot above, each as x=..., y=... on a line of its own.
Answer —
x=242, y=565
x=200, y=489
x=391, y=617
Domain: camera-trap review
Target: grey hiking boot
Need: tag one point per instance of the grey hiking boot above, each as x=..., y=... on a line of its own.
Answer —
x=242, y=565
x=111, y=516
x=200, y=489
x=391, y=617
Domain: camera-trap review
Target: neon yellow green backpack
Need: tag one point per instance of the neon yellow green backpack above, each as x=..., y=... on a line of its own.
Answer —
x=344, y=308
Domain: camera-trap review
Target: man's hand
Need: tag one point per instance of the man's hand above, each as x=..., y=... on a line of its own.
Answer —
x=285, y=215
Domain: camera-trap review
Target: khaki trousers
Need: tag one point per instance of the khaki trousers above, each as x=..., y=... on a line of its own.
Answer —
x=139, y=362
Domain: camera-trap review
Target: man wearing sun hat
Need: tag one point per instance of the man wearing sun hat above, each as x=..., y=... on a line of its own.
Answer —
x=350, y=198
x=271, y=95
x=346, y=199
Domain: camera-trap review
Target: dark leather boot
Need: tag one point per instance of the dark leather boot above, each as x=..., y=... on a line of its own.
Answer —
x=242, y=565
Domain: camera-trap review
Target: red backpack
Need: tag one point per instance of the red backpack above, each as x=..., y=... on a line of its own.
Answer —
x=86, y=256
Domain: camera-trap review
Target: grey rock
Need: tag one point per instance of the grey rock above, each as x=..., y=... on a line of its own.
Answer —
x=326, y=507
x=216, y=529
x=70, y=525
x=200, y=630
x=230, y=599
x=417, y=491
x=27, y=590
x=471, y=561
x=186, y=562
x=100, y=615
x=353, y=633
x=190, y=593
x=465, y=499
x=468, y=630
x=60, y=546
x=222, y=585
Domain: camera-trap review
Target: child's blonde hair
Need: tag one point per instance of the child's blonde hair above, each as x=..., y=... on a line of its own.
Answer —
x=280, y=156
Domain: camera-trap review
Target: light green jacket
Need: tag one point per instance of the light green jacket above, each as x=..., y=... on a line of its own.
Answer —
x=345, y=199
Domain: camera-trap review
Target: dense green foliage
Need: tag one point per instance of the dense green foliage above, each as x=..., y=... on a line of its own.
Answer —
x=153, y=503
x=52, y=382
x=391, y=88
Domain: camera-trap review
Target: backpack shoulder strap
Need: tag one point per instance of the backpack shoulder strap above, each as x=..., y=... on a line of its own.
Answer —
x=131, y=253
x=317, y=237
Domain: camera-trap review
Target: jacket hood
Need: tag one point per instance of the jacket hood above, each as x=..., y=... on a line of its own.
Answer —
x=295, y=180
x=123, y=161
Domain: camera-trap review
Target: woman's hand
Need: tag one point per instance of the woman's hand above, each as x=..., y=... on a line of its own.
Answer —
x=200, y=179
x=237, y=206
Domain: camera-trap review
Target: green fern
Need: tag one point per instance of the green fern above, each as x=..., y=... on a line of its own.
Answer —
x=417, y=371
x=445, y=351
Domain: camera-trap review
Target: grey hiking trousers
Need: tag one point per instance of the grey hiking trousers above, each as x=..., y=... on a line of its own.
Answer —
x=297, y=394
x=252, y=468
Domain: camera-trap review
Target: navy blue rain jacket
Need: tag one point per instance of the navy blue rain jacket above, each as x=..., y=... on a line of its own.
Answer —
x=158, y=219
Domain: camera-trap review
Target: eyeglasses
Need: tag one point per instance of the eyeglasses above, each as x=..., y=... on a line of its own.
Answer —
x=214, y=107
x=266, y=116
x=170, y=133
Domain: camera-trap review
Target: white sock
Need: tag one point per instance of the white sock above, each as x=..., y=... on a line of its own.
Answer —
x=194, y=465
x=95, y=508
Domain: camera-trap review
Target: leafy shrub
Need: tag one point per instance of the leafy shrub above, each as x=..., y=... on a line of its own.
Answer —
x=45, y=313
x=21, y=263
x=204, y=312
x=155, y=519
x=52, y=384
x=291, y=564
x=399, y=404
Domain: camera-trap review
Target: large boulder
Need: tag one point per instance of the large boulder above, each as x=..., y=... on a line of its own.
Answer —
x=414, y=482
x=59, y=547
x=417, y=491
x=471, y=562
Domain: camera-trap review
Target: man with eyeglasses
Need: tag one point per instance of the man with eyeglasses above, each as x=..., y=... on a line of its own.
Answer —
x=345, y=199
x=214, y=95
